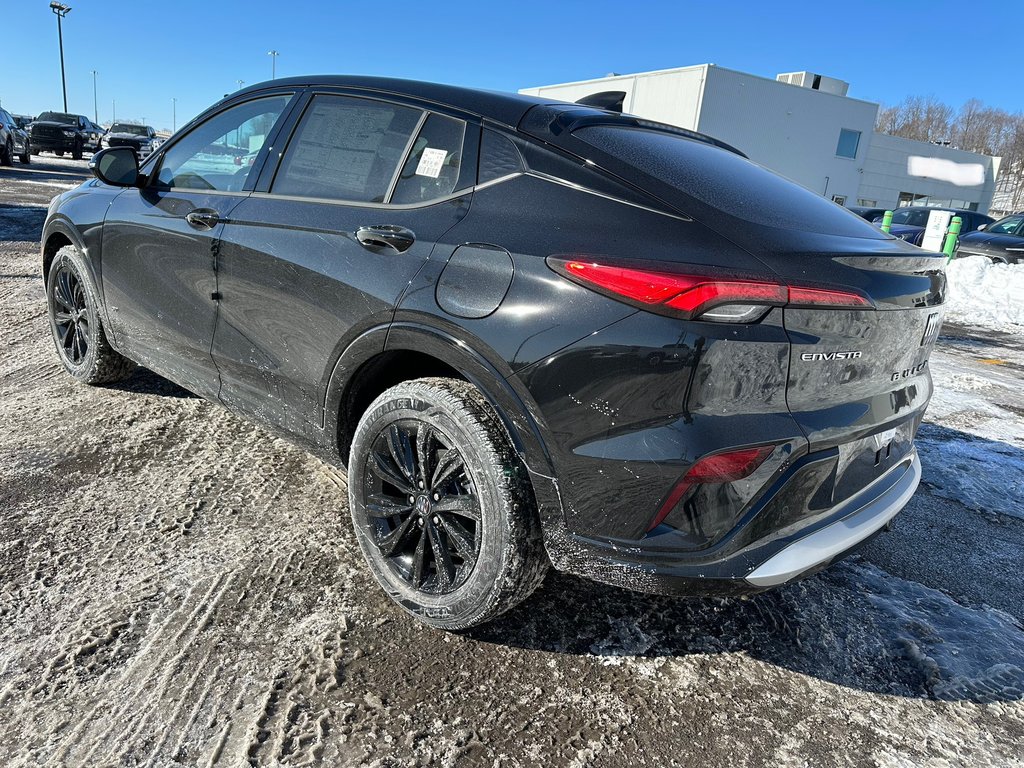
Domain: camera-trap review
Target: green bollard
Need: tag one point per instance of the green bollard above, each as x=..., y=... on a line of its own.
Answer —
x=949, y=245
x=886, y=221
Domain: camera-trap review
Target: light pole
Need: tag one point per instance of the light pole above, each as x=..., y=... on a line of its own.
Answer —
x=95, y=104
x=273, y=64
x=113, y=111
x=240, y=83
x=174, y=113
x=61, y=10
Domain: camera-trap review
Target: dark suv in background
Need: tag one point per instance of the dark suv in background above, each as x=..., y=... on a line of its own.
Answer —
x=14, y=141
x=141, y=138
x=533, y=332
x=61, y=132
x=1002, y=242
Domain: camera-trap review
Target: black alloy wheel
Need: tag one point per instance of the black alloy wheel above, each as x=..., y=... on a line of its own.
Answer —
x=71, y=316
x=75, y=322
x=442, y=506
x=425, y=509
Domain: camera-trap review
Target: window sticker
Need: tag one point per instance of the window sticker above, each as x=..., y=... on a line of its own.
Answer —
x=431, y=162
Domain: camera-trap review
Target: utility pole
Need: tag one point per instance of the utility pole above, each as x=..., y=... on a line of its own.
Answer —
x=61, y=11
x=113, y=111
x=240, y=83
x=273, y=64
x=174, y=113
x=95, y=104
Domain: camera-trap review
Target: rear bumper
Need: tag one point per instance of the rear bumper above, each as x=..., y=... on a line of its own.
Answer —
x=775, y=559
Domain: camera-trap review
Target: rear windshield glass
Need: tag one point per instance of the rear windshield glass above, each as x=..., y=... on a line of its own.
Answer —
x=725, y=181
x=58, y=117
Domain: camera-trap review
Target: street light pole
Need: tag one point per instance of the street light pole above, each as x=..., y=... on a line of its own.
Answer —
x=61, y=11
x=273, y=64
x=95, y=104
x=174, y=113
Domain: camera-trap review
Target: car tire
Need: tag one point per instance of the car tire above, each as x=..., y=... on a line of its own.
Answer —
x=76, y=153
x=59, y=152
x=480, y=551
x=7, y=153
x=26, y=156
x=75, y=323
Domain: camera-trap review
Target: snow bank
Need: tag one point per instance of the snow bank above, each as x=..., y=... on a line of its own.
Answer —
x=983, y=293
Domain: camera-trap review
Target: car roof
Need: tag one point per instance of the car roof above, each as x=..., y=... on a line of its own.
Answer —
x=507, y=108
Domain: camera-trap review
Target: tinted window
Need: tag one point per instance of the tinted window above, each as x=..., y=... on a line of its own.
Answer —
x=138, y=130
x=1007, y=226
x=911, y=217
x=848, y=143
x=346, y=149
x=724, y=182
x=59, y=117
x=432, y=169
x=498, y=157
x=219, y=153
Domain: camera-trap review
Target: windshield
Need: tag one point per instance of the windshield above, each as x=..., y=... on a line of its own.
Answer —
x=59, y=117
x=912, y=218
x=138, y=130
x=1007, y=226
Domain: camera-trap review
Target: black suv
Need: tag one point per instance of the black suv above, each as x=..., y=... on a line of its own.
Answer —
x=59, y=132
x=532, y=332
x=14, y=141
x=141, y=138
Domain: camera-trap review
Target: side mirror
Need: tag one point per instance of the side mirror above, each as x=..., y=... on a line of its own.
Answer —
x=117, y=166
x=982, y=227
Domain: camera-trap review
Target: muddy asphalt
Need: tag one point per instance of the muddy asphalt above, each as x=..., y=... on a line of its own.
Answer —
x=178, y=587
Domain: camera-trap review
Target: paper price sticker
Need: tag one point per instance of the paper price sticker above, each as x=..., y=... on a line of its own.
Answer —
x=431, y=162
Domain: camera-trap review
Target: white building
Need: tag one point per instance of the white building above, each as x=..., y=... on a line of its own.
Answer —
x=805, y=127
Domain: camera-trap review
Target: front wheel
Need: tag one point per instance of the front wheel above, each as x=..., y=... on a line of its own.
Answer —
x=76, y=153
x=441, y=505
x=7, y=154
x=26, y=156
x=75, y=323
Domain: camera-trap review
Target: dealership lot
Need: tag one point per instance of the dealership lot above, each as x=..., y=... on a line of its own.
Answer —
x=180, y=587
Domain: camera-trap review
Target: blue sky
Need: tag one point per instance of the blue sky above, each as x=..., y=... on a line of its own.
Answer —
x=148, y=53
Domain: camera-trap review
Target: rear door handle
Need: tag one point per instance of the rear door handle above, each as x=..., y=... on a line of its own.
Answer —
x=397, y=239
x=203, y=218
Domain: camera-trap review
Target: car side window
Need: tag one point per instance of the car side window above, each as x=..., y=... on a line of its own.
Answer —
x=432, y=168
x=218, y=154
x=1007, y=226
x=345, y=148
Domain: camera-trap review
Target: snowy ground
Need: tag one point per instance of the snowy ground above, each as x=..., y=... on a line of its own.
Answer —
x=178, y=587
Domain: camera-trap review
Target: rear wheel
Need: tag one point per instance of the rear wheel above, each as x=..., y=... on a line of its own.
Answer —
x=75, y=323
x=441, y=506
x=59, y=152
x=76, y=153
x=7, y=153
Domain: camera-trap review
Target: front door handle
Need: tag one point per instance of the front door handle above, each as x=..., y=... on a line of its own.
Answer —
x=398, y=239
x=203, y=218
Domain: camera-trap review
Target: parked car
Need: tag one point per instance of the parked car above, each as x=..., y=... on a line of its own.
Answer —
x=532, y=332
x=94, y=134
x=1002, y=242
x=869, y=214
x=141, y=138
x=14, y=142
x=23, y=121
x=909, y=223
x=60, y=132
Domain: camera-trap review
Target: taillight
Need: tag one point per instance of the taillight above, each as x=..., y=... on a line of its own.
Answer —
x=716, y=468
x=700, y=296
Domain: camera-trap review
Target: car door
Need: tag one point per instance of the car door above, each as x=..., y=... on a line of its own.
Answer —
x=158, y=252
x=325, y=246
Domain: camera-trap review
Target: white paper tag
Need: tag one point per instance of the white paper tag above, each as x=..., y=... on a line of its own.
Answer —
x=431, y=162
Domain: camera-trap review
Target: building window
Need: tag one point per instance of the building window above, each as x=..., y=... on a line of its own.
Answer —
x=848, y=143
x=839, y=199
x=866, y=203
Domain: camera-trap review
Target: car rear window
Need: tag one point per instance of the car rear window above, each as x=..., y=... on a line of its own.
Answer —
x=725, y=181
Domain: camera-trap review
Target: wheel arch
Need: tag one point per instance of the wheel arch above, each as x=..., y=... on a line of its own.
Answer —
x=385, y=356
x=57, y=235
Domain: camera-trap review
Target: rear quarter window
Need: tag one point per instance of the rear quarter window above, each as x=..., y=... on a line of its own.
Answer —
x=725, y=181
